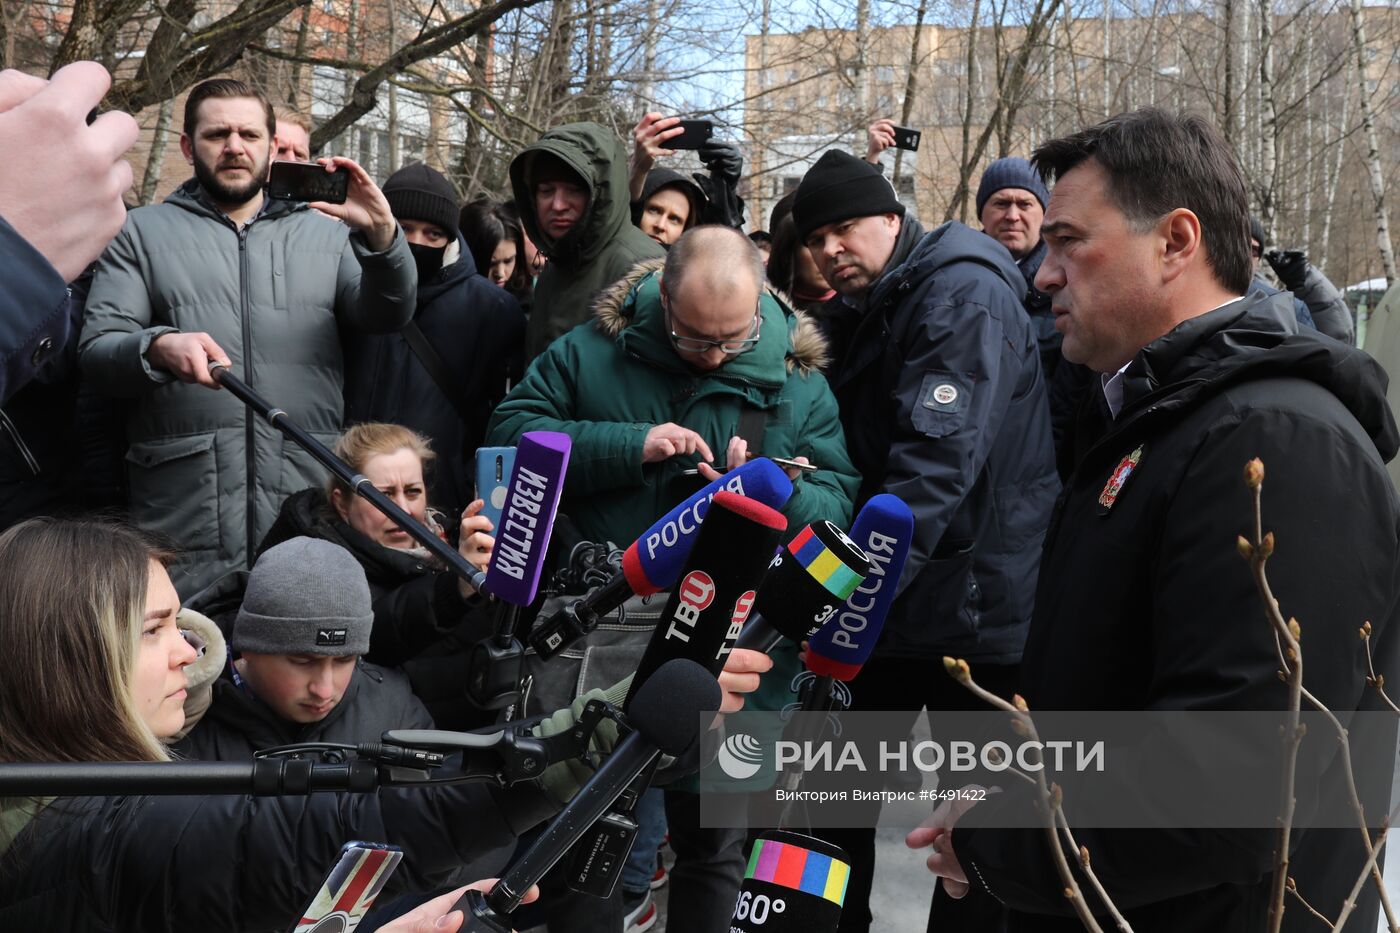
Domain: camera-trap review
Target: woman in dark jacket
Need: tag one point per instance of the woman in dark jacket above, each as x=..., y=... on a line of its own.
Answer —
x=792, y=270
x=94, y=671
x=493, y=234
x=426, y=619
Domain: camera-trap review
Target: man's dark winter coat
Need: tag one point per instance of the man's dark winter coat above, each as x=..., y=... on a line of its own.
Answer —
x=944, y=406
x=1144, y=603
x=478, y=330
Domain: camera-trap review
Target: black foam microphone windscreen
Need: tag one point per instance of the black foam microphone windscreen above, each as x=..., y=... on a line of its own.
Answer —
x=715, y=593
x=793, y=884
x=667, y=720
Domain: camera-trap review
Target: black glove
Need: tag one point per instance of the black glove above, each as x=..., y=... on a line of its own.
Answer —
x=1290, y=265
x=723, y=159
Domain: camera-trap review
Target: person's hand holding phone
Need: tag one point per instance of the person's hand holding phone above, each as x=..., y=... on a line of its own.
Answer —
x=62, y=187
x=737, y=454
x=365, y=208
x=879, y=137
x=649, y=137
x=474, y=542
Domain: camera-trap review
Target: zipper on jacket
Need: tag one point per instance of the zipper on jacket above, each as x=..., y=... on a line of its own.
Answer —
x=10, y=429
x=250, y=424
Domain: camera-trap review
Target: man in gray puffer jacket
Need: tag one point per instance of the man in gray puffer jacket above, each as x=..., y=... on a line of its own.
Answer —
x=221, y=272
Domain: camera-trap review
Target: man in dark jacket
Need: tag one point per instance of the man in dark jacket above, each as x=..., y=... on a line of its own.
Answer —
x=571, y=186
x=1011, y=201
x=1143, y=602
x=445, y=371
x=221, y=272
x=294, y=673
x=944, y=406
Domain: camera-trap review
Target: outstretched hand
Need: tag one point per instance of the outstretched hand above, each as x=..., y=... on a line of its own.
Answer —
x=437, y=915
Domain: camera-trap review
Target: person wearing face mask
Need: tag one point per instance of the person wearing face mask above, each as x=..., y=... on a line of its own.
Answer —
x=425, y=618
x=443, y=373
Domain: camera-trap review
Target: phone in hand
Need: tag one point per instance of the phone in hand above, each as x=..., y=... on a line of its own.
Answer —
x=308, y=181
x=794, y=464
x=493, y=468
x=351, y=887
x=696, y=134
x=906, y=138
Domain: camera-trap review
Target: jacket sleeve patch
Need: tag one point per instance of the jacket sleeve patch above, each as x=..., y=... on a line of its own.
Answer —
x=943, y=402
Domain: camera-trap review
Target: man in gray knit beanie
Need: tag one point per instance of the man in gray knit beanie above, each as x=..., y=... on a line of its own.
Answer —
x=304, y=622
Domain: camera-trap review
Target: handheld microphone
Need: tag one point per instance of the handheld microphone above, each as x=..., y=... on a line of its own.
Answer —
x=513, y=575
x=793, y=883
x=884, y=529
x=707, y=608
x=527, y=519
x=666, y=719
x=653, y=562
x=806, y=583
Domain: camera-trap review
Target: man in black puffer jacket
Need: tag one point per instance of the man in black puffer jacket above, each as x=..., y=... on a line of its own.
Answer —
x=1143, y=601
x=944, y=406
x=473, y=332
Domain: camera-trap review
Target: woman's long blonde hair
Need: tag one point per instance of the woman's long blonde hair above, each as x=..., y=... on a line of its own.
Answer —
x=72, y=609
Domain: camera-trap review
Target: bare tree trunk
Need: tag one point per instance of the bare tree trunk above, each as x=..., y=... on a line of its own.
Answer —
x=1268, y=138
x=1246, y=34
x=966, y=162
x=1107, y=52
x=648, y=90
x=394, y=154
x=1373, y=157
x=1331, y=178
x=862, y=44
x=911, y=83
x=155, y=159
x=294, y=93
x=7, y=50
x=1052, y=85
x=1227, y=100
x=1309, y=142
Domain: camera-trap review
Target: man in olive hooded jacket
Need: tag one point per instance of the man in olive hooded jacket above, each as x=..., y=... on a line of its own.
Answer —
x=571, y=186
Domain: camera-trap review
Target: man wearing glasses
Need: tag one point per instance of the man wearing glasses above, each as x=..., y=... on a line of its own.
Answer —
x=688, y=369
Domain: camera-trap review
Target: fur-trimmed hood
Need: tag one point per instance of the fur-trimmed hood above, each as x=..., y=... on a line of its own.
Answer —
x=616, y=309
x=204, y=636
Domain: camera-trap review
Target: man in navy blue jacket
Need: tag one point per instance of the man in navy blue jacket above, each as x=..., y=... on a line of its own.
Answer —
x=937, y=372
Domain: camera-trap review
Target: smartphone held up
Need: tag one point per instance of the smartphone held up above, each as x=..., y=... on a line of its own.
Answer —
x=308, y=181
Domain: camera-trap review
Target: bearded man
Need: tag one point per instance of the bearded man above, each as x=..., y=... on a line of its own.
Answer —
x=220, y=272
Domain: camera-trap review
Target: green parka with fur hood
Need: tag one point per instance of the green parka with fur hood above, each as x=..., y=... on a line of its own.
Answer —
x=599, y=249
